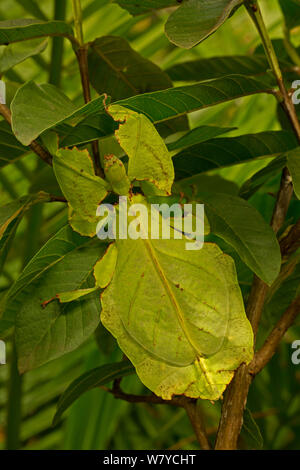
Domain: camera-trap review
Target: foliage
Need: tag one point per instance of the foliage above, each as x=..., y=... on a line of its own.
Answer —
x=135, y=99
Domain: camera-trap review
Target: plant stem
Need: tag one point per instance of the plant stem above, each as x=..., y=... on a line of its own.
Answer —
x=81, y=54
x=81, y=51
x=236, y=394
x=193, y=412
x=257, y=18
x=5, y=111
x=283, y=200
x=190, y=406
x=57, y=45
x=118, y=393
x=35, y=146
x=265, y=354
x=78, y=21
x=41, y=152
x=291, y=242
x=256, y=15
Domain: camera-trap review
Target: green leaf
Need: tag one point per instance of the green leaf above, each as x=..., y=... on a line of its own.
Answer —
x=149, y=159
x=22, y=29
x=162, y=105
x=147, y=6
x=105, y=341
x=177, y=315
x=241, y=226
x=46, y=331
x=38, y=108
x=84, y=190
x=91, y=129
x=203, y=183
x=10, y=148
x=165, y=105
x=198, y=135
x=50, y=141
x=116, y=69
x=17, y=208
x=11, y=88
x=103, y=272
x=81, y=225
x=7, y=239
x=157, y=106
x=13, y=54
x=256, y=181
x=102, y=126
x=195, y=20
x=215, y=67
x=293, y=163
x=227, y=151
x=45, y=178
x=291, y=11
x=250, y=431
x=92, y=379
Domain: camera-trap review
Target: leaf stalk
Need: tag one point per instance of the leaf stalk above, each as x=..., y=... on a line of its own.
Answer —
x=81, y=54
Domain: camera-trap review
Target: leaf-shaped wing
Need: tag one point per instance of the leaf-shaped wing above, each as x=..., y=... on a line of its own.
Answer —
x=178, y=315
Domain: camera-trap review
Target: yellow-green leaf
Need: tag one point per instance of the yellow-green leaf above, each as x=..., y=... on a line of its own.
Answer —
x=82, y=188
x=149, y=158
x=103, y=272
x=104, y=269
x=178, y=315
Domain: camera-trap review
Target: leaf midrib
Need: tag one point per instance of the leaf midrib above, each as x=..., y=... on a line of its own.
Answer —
x=170, y=294
x=199, y=360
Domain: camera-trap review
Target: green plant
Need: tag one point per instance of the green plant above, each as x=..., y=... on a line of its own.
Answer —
x=179, y=317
